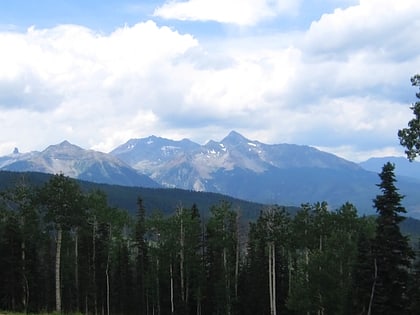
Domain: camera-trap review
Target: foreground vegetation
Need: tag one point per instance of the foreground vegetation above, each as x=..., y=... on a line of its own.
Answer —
x=68, y=251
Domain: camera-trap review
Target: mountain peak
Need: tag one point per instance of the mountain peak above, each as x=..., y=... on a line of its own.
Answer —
x=234, y=137
x=62, y=147
x=65, y=143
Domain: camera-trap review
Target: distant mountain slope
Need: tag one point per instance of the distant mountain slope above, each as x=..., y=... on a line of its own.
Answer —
x=166, y=200
x=76, y=162
x=403, y=167
x=163, y=199
x=284, y=174
x=277, y=173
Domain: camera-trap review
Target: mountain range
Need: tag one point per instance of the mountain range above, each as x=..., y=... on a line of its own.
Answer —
x=76, y=162
x=285, y=174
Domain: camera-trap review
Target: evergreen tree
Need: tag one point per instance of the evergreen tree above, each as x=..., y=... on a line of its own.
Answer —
x=253, y=289
x=10, y=262
x=363, y=273
x=141, y=256
x=20, y=202
x=391, y=249
x=414, y=284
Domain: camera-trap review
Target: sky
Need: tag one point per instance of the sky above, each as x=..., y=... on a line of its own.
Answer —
x=333, y=74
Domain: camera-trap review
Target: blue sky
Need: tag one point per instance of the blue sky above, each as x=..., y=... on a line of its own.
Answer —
x=334, y=74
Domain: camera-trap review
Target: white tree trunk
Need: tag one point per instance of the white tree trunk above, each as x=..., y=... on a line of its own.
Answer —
x=273, y=273
x=172, y=287
x=227, y=287
x=58, y=270
x=237, y=257
x=182, y=258
x=107, y=273
x=76, y=267
x=95, y=295
x=157, y=288
x=270, y=278
x=372, y=293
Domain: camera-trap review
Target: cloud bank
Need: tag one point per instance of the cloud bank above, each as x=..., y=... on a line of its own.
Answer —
x=342, y=84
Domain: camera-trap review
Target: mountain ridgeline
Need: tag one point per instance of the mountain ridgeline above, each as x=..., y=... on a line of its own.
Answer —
x=285, y=174
x=76, y=162
x=278, y=173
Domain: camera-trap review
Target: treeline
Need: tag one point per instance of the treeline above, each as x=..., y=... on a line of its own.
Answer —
x=68, y=251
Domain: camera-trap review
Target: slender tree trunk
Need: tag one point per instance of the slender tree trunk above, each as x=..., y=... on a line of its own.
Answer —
x=25, y=286
x=76, y=267
x=182, y=258
x=372, y=293
x=270, y=278
x=107, y=273
x=157, y=287
x=198, y=307
x=172, y=287
x=274, y=280
x=227, y=282
x=290, y=267
x=237, y=257
x=147, y=302
x=58, y=270
x=321, y=308
x=95, y=291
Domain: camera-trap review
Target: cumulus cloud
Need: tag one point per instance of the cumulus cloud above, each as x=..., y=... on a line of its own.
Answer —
x=86, y=80
x=384, y=27
x=342, y=84
x=239, y=12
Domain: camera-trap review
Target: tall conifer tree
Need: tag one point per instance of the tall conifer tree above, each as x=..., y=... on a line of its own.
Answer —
x=392, y=251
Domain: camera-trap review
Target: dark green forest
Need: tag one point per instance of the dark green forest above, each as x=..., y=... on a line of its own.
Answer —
x=67, y=249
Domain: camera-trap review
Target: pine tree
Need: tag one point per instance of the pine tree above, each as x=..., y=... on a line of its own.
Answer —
x=414, y=284
x=363, y=276
x=391, y=249
x=253, y=289
x=141, y=259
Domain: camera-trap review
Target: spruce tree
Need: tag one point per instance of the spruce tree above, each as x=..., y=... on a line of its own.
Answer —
x=414, y=284
x=392, y=251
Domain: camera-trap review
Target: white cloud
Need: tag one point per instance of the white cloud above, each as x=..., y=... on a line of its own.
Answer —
x=354, y=154
x=82, y=84
x=341, y=85
x=240, y=12
x=379, y=26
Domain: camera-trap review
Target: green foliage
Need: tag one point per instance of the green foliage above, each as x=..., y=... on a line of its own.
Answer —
x=392, y=252
x=410, y=137
x=320, y=261
x=164, y=199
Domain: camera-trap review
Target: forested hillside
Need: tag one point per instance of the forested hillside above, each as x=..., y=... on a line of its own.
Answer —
x=124, y=197
x=67, y=249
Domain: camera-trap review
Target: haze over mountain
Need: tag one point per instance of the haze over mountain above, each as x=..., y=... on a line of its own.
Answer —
x=403, y=167
x=286, y=174
x=76, y=162
x=279, y=173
